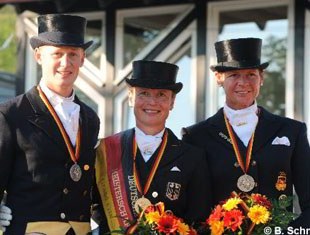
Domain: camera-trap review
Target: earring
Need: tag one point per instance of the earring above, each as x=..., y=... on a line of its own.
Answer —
x=261, y=84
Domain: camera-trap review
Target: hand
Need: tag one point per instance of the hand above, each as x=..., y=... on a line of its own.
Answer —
x=5, y=217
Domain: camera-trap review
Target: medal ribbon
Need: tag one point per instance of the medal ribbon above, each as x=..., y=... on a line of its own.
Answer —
x=236, y=149
x=154, y=167
x=75, y=155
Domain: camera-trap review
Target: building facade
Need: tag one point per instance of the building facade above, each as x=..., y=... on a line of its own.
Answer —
x=181, y=32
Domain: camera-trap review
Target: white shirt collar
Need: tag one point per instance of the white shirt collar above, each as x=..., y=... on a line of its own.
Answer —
x=54, y=98
x=237, y=114
x=139, y=132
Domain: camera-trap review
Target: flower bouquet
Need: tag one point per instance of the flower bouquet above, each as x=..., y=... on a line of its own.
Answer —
x=154, y=220
x=249, y=214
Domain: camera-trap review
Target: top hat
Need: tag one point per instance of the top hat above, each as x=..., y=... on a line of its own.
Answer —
x=241, y=53
x=60, y=30
x=154, y=75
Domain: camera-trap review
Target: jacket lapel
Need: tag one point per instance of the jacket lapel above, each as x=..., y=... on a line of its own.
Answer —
x=266, y=128
x=173, y=149
x=218, y=130
x=84, y=125
x=41, y=117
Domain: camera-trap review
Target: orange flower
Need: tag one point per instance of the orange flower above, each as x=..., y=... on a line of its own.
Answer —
x=217, y=227
x=192, y=232
x=183, y=229
x=233, y=219
x=216, y=214
x=168, y=224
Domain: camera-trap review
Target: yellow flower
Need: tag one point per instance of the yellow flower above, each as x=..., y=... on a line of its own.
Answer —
x=183, y=229
x=217, y=228
x=259, y=214
x=152, y=217
x=231, y=203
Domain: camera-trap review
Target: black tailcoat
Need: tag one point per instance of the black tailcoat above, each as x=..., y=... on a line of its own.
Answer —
x=268, y=159
x=183, y=165
x=35, y=163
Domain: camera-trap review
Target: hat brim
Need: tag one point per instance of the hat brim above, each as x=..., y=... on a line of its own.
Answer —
x=176, y=88
x=221, y=68
x=38, y=41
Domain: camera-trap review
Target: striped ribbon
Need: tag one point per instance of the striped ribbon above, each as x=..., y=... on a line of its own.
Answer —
x=75, y=155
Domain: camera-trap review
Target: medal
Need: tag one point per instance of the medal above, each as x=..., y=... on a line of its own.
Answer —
x=75, y=172
x=246, y=183
x=141, y=204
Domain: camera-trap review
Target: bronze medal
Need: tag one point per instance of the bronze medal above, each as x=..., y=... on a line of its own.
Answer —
x=75, y=172
x=141, y=204
x=246, y=183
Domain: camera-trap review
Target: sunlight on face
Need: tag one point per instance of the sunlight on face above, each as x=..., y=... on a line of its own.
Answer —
x=60, y=66
x=151, y=107
x=241, y=86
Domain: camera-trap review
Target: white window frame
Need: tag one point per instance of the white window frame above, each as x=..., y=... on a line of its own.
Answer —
x=122, y=70
x=166, y=55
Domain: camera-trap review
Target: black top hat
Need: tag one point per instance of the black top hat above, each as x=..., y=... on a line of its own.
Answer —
x=60, y=30
x=241, y=53
x=155, y=75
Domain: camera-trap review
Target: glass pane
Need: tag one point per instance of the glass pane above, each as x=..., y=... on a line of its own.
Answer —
x=141, y=30
x=94, y=32
x=7, y=86
x=271, y=25
x=83, y=97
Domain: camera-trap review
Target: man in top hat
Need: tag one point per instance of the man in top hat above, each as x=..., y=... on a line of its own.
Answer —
x=148, y=163
x=48, y=136
x=248, y=149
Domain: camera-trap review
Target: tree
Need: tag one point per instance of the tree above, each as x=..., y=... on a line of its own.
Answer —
x=272, y=96
x=8, y=43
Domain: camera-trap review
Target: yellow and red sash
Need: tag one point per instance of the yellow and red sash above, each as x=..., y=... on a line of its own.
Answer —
x=117, y=178
x=112, y=179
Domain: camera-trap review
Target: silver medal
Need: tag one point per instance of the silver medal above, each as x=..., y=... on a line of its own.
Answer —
x=246, y=183
x=75, y=172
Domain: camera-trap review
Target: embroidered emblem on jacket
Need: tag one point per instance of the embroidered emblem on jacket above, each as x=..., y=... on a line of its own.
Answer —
x=221, y=134
x=281, y=181
x=173, y=190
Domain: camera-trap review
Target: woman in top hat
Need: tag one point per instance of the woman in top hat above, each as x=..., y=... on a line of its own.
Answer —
x=148, y=164
x=248, y=149
x=47, y=138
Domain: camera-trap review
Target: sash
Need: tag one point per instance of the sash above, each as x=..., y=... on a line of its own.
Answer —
x=115, y=181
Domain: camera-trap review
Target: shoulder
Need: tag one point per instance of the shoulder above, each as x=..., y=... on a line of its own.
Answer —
x=188, y=148
x=11, y=106
x=88, y=110
x=119, y=136
x=285, y=121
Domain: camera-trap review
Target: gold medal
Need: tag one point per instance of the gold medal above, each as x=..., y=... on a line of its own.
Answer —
x=245, y=183
x=75, y=172
x=141, y=204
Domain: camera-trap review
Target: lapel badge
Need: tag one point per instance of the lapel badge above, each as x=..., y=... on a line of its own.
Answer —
x=173, y=190
x=281, y=181
x=221, y=134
